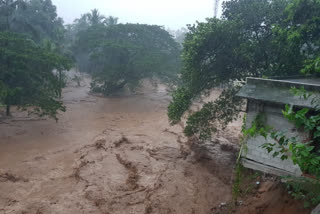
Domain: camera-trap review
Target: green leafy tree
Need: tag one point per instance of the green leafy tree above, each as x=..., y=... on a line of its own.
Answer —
x=130, y=52
x=83, y=35
x=85, y=42
x=298, y=38
x=95, y=17
x=8, y=13
x=220, y=52
x=87, y=20
x=256, y=20
x=35, y=18
x=26, y=74
x=299, y=35
x=111, y=20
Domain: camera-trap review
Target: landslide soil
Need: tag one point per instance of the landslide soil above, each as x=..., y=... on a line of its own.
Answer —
x=114, y=155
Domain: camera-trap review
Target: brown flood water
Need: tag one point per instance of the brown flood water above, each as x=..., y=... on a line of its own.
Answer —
x=105, y=155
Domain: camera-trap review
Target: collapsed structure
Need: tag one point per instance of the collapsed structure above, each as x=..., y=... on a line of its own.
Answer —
x=269, y=97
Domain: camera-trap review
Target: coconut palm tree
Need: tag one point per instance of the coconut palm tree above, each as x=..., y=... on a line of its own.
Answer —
x=95, y=18
x=111, y=20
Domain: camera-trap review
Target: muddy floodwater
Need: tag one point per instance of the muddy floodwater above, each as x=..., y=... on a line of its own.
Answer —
x=114, y=155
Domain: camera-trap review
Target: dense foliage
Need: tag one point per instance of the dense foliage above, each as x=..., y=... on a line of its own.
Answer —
x=27, y=75
x=30, y=51
x=119, y=55
x=299, y=36
x=35, y=50
x=214, y=114
x=304, y=189
x=258, y=38
x=132, y=52
x=83, y=33
x=36, y=18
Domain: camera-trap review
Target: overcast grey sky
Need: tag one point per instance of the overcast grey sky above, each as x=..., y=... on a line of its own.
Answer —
x=170, y=13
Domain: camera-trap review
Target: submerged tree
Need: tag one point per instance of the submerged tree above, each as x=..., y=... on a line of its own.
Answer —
x=123, y=54
x=132, y=52
x=27, y=75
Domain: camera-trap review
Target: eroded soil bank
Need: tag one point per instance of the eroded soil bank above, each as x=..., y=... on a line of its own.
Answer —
x=110, y=155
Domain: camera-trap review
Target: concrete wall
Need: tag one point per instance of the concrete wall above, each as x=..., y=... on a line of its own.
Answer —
x=254, y=156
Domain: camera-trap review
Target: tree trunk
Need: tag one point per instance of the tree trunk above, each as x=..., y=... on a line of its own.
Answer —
x=8, y=113
x=60, y=84
x=7, y=18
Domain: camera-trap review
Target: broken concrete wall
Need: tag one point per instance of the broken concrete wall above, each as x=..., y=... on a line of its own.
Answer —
x=256, y=157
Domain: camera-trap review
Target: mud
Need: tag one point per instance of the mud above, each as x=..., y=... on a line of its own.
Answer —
x=117, y=155
x=5, y=177
x=114, y=155
x=269, y=197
